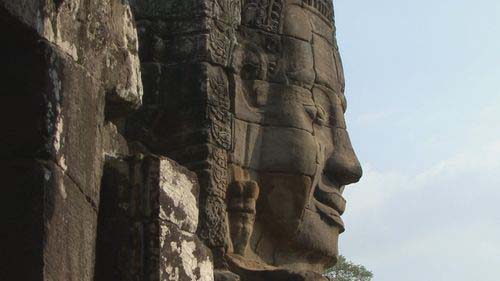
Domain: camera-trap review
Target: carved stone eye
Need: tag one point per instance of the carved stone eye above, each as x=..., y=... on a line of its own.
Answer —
x=321, y=116
x=312, y=111
x=317, y=114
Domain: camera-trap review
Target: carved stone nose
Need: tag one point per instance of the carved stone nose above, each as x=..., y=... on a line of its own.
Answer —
x=343, y=169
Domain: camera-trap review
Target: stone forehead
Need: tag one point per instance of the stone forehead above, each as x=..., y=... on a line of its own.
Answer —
x=301, y=21
x=291, y=42
x=324, y=8
x=275, y=15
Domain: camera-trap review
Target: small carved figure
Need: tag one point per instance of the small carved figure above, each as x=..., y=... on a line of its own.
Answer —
x=242, y=198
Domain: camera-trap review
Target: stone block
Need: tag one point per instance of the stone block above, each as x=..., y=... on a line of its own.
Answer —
x=324, y=63
x=98, y=35
x=177, y=190
x=182, y=256
x=297, y=62
x=70, y=229
x=50, y=224
x=58, y=129
x=185, y=105
x=168, y=9
x=293, y=27
x=121, y=232
x=188, y=12
x=154, y=201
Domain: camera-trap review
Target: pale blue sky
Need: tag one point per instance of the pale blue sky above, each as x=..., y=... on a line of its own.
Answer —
x=424, y=116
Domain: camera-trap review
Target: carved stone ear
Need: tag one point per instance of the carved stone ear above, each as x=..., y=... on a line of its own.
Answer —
x=249, y=62
x=242, y=197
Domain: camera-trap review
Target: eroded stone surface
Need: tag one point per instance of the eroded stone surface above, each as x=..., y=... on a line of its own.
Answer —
x=155, y=202
x=100, y=36
x=183, y=256
x=178, y=201
x=71, y=69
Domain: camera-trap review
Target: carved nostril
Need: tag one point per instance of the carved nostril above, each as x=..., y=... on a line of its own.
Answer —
x=343, y=169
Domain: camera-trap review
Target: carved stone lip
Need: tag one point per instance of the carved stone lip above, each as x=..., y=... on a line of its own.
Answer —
x=330, y=196
x=330, y=213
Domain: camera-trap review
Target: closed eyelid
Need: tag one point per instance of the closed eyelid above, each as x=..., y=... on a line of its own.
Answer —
x=317, y=114
x=333, y=118
x=312, y=111
x=333, y=104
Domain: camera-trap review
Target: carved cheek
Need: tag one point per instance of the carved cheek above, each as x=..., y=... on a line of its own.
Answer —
x=284, y=198
x=288, y=150
x=298, y=62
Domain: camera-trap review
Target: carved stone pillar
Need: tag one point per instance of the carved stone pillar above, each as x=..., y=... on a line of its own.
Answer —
x=185, y=52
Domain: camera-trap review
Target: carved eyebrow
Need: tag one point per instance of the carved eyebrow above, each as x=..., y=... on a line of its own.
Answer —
x=340, y=95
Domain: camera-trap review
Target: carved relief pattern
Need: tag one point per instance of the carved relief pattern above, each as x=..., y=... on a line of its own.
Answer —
x=220, y=44
x=264, y=14
x=228, y=11
x=218, y=94
x=221, y=40
x=214, y=180
x=220, y=127
x=220, y=172
x=219, y=111
x=324, y=7
x=214, y=225
x=220, y=121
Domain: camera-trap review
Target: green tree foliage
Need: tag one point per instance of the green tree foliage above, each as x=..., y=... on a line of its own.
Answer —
x=345, y=270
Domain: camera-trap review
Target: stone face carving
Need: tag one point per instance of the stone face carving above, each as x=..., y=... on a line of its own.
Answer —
x=250, y=95
x=290, y=134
